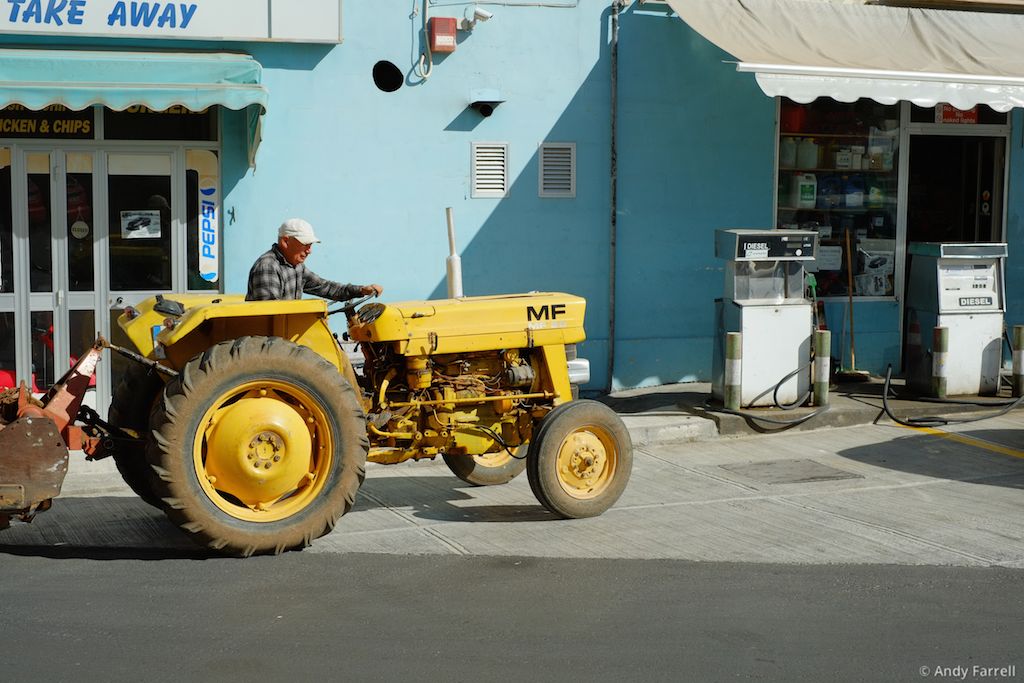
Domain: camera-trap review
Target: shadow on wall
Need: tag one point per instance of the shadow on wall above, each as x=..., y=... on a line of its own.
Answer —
x=529, y=242
x=690, y=133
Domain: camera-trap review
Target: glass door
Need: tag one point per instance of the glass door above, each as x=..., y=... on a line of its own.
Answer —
x=142, y=251
x=56, y=274
x=956, y=188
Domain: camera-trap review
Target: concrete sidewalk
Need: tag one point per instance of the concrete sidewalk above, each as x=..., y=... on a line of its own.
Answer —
x=703, y=488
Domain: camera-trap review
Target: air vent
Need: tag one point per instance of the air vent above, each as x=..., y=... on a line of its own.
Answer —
x=490, y=169
x=558, y=169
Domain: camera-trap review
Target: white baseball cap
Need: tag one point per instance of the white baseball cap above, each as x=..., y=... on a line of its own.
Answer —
x=299, y=229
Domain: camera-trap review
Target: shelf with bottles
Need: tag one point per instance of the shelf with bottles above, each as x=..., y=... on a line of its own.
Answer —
x=875, y=153
x=855, y=192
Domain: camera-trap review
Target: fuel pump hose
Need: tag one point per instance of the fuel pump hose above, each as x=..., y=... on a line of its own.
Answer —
x=938, y=421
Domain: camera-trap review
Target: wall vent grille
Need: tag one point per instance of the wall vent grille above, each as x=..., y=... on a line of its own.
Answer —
x=490, y=169
x=558, y=169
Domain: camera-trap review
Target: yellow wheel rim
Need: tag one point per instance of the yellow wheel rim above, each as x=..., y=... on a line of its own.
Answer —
x=587, y=460
x=491, y=460
x=263, y=451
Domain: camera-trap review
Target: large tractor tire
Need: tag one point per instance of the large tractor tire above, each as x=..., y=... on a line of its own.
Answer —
x=580, y=459
x=260, y=446
x=489, y=469
x=130, y=408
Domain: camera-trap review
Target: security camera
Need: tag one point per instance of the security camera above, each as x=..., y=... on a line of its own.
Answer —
x=479, y=14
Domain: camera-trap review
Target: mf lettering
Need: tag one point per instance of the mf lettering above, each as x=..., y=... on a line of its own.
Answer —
x=209, y=230
x=545, y=312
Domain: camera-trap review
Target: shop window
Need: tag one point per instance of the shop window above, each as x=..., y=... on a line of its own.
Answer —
x=40, y=233
x=176, y=123
x=80, y=222
x=838, y=176
x=138, y=192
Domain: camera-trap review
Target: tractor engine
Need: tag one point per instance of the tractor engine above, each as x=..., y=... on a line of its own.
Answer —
x=463, y=376
x=451, y=403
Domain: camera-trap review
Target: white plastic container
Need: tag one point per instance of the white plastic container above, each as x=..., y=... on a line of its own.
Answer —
x=787, y=152
x=803, y=191
x=807, y=154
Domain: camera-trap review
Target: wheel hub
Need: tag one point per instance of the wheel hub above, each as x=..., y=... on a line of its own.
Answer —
x=582, y=462
x=258, y=449
x=265, y=450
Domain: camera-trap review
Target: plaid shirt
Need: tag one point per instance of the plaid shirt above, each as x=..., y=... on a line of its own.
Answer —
x=272, y=278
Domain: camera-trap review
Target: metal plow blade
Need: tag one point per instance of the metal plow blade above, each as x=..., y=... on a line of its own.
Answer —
x=33, y=462
x=35, y=437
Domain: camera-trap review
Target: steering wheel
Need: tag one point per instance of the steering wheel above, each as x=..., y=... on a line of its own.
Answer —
x=349, y=308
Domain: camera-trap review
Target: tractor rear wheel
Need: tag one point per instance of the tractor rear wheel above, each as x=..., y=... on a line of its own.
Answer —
x=489, y=469
x=260, y=446
x=129, y=410
x=580, y=459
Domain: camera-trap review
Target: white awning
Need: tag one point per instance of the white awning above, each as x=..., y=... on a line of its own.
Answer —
x=846, y=50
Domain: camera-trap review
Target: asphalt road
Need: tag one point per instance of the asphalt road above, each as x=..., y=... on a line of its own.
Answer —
x=870, y=553
x=306, y=616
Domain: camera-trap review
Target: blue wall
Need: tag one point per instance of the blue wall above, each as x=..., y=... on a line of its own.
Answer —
x=696, y=153
x=374, y=171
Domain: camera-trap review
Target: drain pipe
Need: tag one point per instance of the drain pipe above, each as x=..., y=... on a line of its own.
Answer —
x=613, y=190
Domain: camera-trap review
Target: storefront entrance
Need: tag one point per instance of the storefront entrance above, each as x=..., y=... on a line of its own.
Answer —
x=86, y=231
x=955, y=188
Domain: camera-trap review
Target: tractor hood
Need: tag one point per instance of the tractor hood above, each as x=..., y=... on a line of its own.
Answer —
x=473, y=323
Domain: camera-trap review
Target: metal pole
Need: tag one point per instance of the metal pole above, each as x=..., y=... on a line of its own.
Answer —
x=733, y=370
x=822, y=365
x=613, y=190
x=453, y=262
x=1018, y=366
x=940, y=349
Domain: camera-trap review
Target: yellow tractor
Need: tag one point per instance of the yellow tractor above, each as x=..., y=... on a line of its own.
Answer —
x=246, y=423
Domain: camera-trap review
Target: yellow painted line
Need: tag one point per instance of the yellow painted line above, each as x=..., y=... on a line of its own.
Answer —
x=968, y=441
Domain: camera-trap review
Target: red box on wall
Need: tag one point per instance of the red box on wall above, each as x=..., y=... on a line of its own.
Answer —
x=442, y=34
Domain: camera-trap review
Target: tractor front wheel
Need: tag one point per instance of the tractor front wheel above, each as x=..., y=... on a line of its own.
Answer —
x=260, y=446
x=580, y=459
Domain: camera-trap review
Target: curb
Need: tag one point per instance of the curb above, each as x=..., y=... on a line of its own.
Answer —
x=649, y=430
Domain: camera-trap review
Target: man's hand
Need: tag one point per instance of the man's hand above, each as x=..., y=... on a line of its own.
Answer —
x=376, y=290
